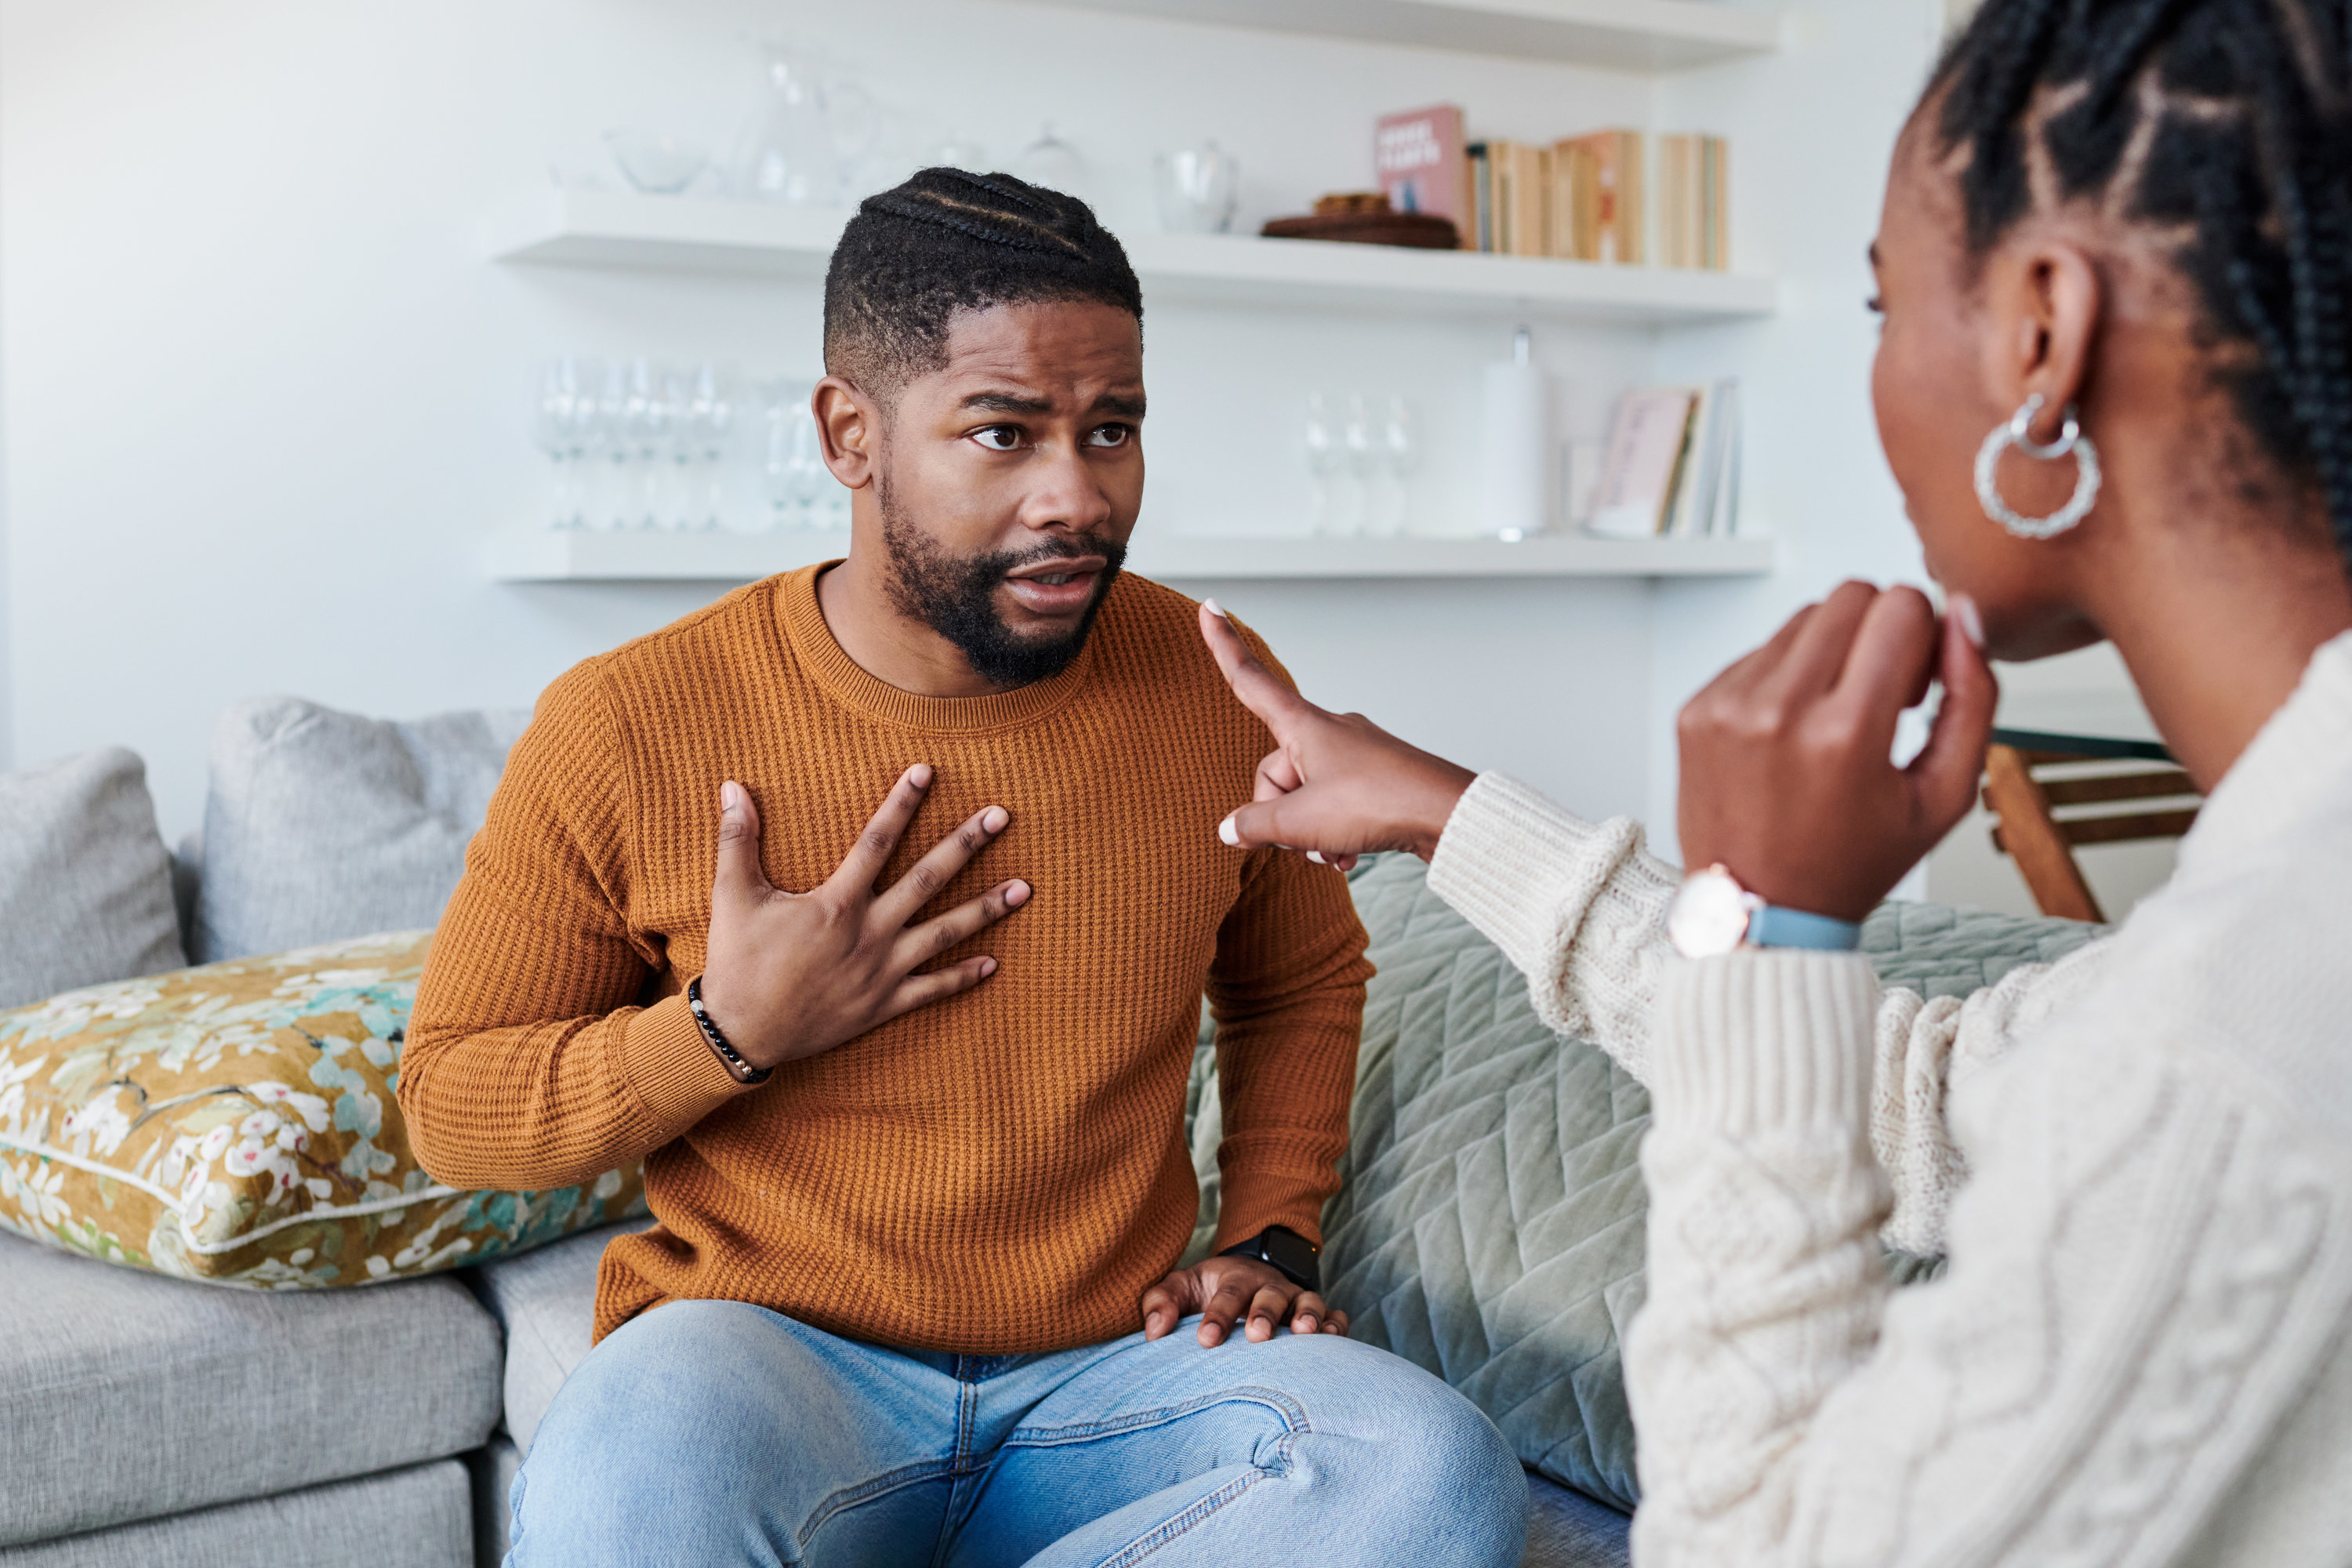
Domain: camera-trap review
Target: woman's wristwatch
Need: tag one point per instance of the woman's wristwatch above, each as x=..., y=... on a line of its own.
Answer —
x=1712, y=914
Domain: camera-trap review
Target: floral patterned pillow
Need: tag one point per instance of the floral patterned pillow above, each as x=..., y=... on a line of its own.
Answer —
x=236, y=1123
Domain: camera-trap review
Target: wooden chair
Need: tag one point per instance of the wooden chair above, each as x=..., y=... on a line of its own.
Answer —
x=2041, y=817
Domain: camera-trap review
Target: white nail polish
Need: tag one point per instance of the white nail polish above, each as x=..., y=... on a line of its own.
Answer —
x=1964, y=610
x=1229, y=833
x=1215, y=609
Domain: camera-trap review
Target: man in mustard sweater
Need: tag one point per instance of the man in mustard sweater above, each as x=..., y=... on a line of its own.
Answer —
x=913, y=1111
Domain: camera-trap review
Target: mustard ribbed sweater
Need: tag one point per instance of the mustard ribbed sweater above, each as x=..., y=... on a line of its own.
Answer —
x=1004, y=1171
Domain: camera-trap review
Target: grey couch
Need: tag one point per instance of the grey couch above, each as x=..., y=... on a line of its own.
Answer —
x=146, y=1418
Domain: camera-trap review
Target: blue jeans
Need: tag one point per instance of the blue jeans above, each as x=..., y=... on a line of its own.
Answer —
x=719, y=1432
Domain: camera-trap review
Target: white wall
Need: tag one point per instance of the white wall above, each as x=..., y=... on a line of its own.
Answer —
x=1811, y=142
x=266, y=397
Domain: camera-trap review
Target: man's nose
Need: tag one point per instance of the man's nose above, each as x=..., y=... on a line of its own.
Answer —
x=1067, y=493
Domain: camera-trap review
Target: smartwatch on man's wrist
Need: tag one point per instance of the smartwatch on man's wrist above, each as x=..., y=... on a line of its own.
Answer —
x=1712, y=914
x=1284, y=1251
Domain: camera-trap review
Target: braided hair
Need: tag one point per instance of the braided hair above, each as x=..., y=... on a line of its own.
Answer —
x=948, y=240
x=2222, y=130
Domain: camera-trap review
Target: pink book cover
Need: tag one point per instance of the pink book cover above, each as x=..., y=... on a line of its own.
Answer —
x=1645, y=450
x=1420, y=159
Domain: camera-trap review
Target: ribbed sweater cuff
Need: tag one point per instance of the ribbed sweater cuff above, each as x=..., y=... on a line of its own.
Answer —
x=1759, y=1040
x=677, y=1076
x=1509, y=858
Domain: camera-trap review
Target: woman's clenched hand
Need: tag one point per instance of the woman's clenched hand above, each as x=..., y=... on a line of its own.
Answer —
x=1788, y=777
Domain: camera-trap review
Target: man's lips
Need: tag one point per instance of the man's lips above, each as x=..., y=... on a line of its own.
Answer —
x=1056, y=587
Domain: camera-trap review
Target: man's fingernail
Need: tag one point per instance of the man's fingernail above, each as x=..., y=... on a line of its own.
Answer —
x=1229, y=833
x=1215, y=609
x=1317, y=856
x=987, y=967
x=1017, y=893
x=994, y=819
x=1971, y=620
x=730, y=794
x=919, y=775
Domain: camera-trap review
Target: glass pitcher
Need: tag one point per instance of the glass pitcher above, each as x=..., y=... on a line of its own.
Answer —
x=804, y=136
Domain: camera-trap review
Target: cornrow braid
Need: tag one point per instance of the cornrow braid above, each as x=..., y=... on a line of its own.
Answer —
x=949, y=240
x=2221, y=128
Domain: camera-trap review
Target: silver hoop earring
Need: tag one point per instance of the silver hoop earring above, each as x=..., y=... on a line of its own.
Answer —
x=2019, y=433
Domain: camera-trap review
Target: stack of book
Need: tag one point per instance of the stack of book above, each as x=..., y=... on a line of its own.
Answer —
x=1585, y=198
x=1693, y=196
x=1672, y=464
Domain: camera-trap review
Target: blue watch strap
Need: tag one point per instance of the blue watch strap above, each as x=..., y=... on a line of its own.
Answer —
x=1773, y=926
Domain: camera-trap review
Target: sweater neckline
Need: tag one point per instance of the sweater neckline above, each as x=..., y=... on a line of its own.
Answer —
x=812, y=645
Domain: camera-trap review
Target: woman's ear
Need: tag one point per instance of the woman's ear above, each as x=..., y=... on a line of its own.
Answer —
x=2045, y=302
x=848, y=424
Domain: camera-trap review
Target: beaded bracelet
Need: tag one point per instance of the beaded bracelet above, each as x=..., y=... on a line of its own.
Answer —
x=742, y=1070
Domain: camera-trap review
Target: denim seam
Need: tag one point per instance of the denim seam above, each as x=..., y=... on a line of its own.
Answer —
x=1168, y=1529
x=1282, y=1405
x=848, y=1498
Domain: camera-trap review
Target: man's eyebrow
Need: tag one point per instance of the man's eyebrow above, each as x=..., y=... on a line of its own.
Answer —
x=1124, y=407
x=1874, y=256
x=1007, y=403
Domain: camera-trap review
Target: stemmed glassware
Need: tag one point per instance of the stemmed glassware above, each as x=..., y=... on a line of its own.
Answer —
x=1362, y=451
x=1325, y=460
x=793, y=465
x=710, y=416
x=563, y=426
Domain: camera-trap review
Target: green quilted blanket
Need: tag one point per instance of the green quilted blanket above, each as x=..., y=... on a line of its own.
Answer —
x=1490, y=1227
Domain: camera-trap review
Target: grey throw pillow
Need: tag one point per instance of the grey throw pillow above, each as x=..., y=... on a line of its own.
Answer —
x=85, y=881
x=323, y=825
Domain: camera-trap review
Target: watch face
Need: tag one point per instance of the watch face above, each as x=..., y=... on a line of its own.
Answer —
x=1709, y=915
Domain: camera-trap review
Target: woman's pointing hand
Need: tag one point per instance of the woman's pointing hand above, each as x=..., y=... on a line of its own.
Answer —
x=1337, y=785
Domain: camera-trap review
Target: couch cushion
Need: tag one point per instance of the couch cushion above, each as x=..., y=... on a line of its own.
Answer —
x=238, y=1123
x=127, y=1396
x=410, y=1518
x=547, y=1304
x=1491, y=1227
x=85, y=881
x=321, y=825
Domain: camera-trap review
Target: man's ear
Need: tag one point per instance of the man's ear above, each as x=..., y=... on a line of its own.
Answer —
x=2045, y=304
x=850, y=427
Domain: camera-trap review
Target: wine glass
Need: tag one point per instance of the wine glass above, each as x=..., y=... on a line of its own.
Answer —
x=1325, y=460
x=711, y=415
x=1400, y=444
x=606, y=506
x=1360, y=438
x=792, y=466
x=563, y=389
x=646, y=425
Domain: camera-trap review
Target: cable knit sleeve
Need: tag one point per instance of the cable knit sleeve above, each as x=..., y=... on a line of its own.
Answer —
x=2148, y=1267
x=1580, y=907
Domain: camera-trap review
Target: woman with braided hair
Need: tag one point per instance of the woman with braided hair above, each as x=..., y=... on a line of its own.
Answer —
x=2115, y=389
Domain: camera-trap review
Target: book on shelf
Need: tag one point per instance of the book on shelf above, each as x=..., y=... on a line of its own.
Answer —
x=1596, y=204
x=1420, y=156
x=1672, y=464
x=1521, y=178
x=1694, y=202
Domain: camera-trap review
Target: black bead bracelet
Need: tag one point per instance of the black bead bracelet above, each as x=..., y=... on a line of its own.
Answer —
x=743, y=1071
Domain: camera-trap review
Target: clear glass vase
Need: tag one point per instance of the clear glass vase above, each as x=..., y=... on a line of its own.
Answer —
x=804, y=136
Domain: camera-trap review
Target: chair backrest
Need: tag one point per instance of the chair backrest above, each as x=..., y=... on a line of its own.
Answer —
x=2048, y=803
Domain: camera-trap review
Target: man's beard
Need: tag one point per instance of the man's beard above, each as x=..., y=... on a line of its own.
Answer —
x=956, y=596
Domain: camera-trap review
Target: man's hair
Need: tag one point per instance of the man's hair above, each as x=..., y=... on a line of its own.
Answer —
x=2220, y=129
x=947, y=240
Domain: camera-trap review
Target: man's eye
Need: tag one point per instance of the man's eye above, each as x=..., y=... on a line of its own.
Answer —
x=1108, y=436
x=998, y=437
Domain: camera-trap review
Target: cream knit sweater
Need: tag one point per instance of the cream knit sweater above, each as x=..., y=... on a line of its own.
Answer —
x=2144, y=1184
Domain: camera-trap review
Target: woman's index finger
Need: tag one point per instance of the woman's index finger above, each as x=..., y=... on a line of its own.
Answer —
x=1252, y=684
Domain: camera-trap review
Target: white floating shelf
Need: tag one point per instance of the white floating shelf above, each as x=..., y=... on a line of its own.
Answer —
x=1621, y=34
x=546, y=555
x=606, y=229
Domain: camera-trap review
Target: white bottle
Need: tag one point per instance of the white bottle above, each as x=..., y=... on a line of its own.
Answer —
x=1514, y=445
